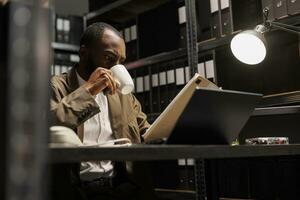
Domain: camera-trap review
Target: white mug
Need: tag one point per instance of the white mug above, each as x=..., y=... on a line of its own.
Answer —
x=124, y=79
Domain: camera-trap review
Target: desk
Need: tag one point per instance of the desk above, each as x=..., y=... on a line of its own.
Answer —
x=169, y=152
x=173, y=152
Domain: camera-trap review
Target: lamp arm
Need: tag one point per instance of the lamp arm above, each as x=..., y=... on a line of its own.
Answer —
x=284, y=27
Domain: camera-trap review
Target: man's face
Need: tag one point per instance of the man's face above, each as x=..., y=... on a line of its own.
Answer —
x=110, y=50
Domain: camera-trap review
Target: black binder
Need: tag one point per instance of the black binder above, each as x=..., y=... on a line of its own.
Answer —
x=203, y=19
x=155, y=89
x=293, y=7
x=76, y=29
x=158, y=30
x=164, y=101
x=280, y=9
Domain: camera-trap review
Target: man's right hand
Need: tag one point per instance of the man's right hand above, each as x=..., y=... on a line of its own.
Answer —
x=101, y=79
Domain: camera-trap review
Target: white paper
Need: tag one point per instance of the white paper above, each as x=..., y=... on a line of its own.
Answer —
x=133, y=32
x=187, y=74
x=181, y=162
x=66, y=25
x=214, y=6
x=166, y=121
x=171, y=76
x=154, y=80
x=201, y=70
x=224, y=4
x=147, y=82
x=57, y=69
x=127, y=34
x=162, y=78
x=139, y=84
x=210, y=70
x=182, y=15
x=74, y=58
x=180, y=76
x=59, y=24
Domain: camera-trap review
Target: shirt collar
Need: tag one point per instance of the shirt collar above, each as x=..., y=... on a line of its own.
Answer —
x=81, y=81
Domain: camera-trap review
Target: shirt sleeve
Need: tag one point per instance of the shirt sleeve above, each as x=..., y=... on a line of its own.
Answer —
x=140, y=115
x=73, y=109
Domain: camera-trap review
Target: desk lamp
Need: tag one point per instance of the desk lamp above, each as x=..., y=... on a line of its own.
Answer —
x=249, y=46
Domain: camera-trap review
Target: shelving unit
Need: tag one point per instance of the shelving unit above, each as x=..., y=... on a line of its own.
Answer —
x=280, y=110
x=123, y=10
x=203, y=46
x=150, y=67
x=166, y=56
x=65, y=47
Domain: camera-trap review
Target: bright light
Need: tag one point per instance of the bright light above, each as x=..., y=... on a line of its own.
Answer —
x=248, y=47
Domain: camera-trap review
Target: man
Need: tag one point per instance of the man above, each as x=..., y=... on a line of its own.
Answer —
x=87, y=100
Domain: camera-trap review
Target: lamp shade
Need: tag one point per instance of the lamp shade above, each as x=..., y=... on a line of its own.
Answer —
x=249, y=46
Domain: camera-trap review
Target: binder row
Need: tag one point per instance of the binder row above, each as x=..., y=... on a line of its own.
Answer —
x=68, y=29
x=281, y=8
x=182, y=25
x=156, y=85
x=130, y=36
x=186, y=174
x=175, y=175
x=63, y=62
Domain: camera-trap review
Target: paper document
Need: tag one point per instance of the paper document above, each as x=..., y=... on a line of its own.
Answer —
x=165, y=123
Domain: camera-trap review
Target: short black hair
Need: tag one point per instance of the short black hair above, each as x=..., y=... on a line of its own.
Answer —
x=94, y=32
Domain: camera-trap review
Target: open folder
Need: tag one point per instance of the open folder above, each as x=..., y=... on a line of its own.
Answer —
x=165, y=123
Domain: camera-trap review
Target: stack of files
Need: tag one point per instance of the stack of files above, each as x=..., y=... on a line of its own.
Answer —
x=281, y=8
x=158, y=30
x=155, y=89
x=130, y=38
x=164, y=92
x=241, y=10
x=180, y=75
x=221, y=18
x=182, y=26
x=204, y=20
x=140, y=88
x=186, y=174
x=62, y=29
x=207, y=70
x=171, y=82
x=68, y=29
x=63, y=62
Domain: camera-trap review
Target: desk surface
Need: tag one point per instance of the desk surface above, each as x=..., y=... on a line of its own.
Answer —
x=169, y=152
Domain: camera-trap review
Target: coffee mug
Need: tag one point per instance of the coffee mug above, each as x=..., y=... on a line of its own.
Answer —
x=123, y=78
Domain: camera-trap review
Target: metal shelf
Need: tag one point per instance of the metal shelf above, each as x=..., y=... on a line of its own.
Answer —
x=123, y=10
x=166, y=56
x=168, y=152
x=65, y=47
x=282, y=110
x=161, y=57
x=281, y=99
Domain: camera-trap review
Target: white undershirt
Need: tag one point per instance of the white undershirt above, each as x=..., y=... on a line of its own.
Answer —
x=96, y=130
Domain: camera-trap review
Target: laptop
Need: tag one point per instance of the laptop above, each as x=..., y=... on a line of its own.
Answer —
x=207, y=115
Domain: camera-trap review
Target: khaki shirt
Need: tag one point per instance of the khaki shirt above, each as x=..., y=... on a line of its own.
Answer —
x=71, y=106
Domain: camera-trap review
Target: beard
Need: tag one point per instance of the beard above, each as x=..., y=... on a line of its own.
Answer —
x=91, y=64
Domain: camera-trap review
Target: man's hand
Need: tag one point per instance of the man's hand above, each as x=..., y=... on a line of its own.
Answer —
x=101, y=80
